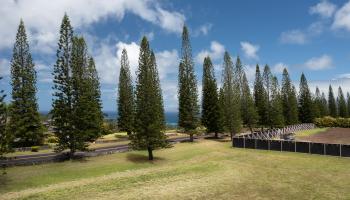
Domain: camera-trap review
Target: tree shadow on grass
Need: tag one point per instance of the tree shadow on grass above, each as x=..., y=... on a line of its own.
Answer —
x=139, y=158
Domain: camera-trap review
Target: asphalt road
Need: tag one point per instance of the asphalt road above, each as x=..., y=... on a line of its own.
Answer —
x=57, y=157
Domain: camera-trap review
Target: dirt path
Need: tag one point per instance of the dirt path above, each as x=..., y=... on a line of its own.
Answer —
x=332, y=135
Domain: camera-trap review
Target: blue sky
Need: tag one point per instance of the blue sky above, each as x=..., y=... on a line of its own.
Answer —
x=305, y=36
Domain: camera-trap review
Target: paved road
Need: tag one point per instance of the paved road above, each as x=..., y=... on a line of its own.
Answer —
x=52, y=157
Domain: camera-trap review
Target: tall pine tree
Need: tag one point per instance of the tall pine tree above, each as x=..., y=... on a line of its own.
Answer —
x=249, y=113
x=289, y=100
x=332, y=106
x=267, y=82
x=126, y=107
x=24, y=124
x=342, y=110
x=4, y=136
x=306, y=114
x=149, y=118
x=277, y=119
x=317, y=103
x=259, y=97
x=231, y=97
x=324, y=108
x=210, y=101
x=188, y=95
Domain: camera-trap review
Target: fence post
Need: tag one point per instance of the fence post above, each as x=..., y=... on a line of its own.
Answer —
x=295, y=146
x=324, y=149
x=281, y=145
x=340, y=150
x=243, y=142
x=268, y=144
x=309, y=148
x=254, y=143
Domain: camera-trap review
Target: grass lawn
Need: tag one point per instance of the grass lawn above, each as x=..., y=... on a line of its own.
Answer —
x=310, y=132
x=202, y=170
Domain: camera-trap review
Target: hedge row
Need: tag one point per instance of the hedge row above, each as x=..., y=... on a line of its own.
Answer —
x=332, y=122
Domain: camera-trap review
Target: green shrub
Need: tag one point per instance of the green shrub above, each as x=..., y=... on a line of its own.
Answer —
x=332, y=122
x=35, y=148
x=51, y=139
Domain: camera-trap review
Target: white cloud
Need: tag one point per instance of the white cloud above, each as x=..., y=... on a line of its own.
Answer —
x=216, y=51
x=42, y=18
x=203, y=29
x=279, y=67
x=342, y=18
x=324, y=9
x=293, y=37
x=250, y=50
x=319, y=63
x=323, y=85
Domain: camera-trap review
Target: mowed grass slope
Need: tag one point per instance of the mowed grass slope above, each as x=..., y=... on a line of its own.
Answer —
x=203, y=170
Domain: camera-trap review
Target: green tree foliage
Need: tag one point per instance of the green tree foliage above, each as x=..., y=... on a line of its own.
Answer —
x=188, y=95
x=231, y=97
x=24, y=124
x=126, y=102
x=267, y=82
x=210, y=101
x=249, y=113
x=332, y=107
x=317, y=103
x=277, y=119
x=259, y=97
x=62, y=112
x=149, y=118
x=342, y=110
x=289, y=100
x=4, y=136
x=221, y=111
x=305, y=101
x=324, y=108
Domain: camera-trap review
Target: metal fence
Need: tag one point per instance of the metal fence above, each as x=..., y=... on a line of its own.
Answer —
x=342, y=150
x=269, y=140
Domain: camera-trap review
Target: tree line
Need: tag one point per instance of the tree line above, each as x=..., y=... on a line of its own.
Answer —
x=77, y=115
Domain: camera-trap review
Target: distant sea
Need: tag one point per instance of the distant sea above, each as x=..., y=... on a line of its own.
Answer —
x=170, y=117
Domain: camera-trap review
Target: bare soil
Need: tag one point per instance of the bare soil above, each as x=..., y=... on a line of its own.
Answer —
x=332, y=136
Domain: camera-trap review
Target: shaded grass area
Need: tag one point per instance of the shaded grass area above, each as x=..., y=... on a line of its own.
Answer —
x=303, y=133
x=203, y=170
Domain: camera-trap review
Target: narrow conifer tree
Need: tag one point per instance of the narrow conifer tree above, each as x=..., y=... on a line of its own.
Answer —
x=62, y=112
x=4, y=136
x=306, y=114
x=342, y=110
x=231, y=97
x=126, y=106
x=324, y=108
x=187, y=94
x=259, y=97
x=210, y=101
x=317, y=103
x=24, y=124
x=249, y=113
x=277, y=119
x=289, y=100
x=332, y=107
x=267, y=82
x=149, y=118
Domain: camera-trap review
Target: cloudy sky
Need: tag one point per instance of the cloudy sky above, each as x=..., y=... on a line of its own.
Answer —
x=305, y=36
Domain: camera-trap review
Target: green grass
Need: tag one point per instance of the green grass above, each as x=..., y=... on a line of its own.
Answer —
x=310, y=132
x=203, y=170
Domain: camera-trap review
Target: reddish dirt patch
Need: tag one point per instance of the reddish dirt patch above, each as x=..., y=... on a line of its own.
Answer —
x=332, y=135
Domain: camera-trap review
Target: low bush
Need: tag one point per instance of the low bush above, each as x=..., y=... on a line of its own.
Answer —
x=35, y=148
x=332, y=122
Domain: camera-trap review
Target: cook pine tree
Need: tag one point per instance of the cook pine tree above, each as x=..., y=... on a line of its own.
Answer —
x=267, y=83
x=210, y=100
x=149, y=118
x=317, y=103
x=342, y=108
x=289, y=100
x=24, y=123
x=4, y=136
x=324, y=109
x=187, y=93
x=249, y=113
x=306, y=114
x=230, y=97
x=259, y=98
x=277, y=118
x=126, y=105
x=332, y=106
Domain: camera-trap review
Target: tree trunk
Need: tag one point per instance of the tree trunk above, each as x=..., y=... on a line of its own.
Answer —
x=191, y=137
x=231, y=135
x=216, y=135
x=150, y=153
